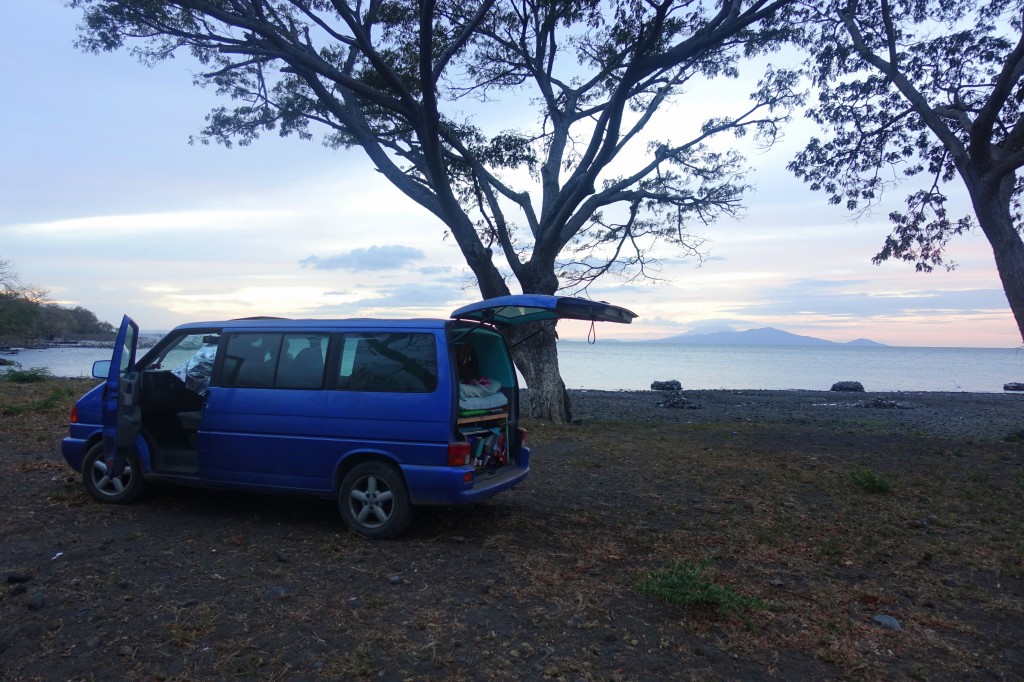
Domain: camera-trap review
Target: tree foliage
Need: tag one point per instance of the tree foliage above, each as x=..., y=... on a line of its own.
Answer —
x=408, y=82
x=922, y=93
x=26, y=314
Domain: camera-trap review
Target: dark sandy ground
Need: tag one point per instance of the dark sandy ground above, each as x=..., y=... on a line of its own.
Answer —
x=768, y=493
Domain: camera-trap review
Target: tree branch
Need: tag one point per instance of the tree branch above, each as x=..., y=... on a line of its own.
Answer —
x=917, y=99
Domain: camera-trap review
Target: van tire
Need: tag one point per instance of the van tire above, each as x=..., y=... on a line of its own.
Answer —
x=124, y=490
x=374, y=500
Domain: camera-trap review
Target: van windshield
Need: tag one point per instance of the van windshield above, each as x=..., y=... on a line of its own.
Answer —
x=190, y=358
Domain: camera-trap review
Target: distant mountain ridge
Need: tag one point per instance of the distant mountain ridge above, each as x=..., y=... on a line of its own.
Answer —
x=765, y=336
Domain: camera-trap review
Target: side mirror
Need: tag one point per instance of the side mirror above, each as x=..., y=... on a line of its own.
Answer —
x=101, y=369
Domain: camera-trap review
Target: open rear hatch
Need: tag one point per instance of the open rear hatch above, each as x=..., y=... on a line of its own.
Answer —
x=487, y=402
x=523, y=308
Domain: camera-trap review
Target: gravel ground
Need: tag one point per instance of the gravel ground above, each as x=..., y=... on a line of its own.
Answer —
x=923, y=582
x=968, y=416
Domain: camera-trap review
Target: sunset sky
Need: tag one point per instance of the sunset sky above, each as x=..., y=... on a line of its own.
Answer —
x=104, y=203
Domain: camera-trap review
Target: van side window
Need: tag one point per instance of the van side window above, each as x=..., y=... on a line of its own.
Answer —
x=398, y=363
x=302, y=361
x=250, y=359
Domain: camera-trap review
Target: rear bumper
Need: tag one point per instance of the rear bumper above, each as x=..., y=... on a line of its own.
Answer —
x=443, y=485
x=73, y=450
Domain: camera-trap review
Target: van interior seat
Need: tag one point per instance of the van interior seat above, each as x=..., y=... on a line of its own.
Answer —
x=190, y=420
x=305, y=371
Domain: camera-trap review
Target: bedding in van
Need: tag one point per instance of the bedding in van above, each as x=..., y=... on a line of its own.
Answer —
x=481, y=394
x=483, y=402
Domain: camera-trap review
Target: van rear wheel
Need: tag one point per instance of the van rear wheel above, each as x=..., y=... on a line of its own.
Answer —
x=374, y=500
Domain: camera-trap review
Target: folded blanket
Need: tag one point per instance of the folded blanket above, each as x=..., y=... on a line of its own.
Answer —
x=479, y=388
x=483, y=402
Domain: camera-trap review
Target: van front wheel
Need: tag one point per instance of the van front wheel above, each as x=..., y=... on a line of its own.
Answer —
x=103, y=487
x=374, y=501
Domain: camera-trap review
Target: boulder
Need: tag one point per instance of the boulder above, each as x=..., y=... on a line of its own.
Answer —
x=888, y=622
x=670, y=385
x=679, y=402
x=848, y=386
x=1013, y=386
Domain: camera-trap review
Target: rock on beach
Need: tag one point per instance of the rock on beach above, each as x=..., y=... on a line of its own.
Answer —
x=854, y=386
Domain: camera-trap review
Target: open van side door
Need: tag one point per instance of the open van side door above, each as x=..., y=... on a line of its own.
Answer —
x=122, y=414
x=523, y=308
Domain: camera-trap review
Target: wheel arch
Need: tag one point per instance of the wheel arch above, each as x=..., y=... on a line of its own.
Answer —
x=354, y=459
x=92, y=440
x=145, y=453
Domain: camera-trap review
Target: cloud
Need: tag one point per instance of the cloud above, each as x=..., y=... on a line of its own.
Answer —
x=372, y=258
x=714, y=325
x=175, y=222
x=424, y=299
x=821, y=297
x=663, y=321
x=436, y=270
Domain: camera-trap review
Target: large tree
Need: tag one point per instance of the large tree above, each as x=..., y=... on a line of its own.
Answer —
x=400, y=79
x=925, y=93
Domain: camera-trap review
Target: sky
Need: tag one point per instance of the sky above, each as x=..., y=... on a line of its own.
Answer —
x=105, y=204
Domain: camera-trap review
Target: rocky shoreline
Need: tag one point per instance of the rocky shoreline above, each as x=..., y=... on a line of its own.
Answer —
x=13, y=349
x=967, y=416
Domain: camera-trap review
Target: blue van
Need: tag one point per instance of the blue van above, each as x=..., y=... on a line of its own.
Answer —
x=382, y=415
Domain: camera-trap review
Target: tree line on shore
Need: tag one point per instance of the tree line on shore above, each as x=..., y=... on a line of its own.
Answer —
x=27, y=315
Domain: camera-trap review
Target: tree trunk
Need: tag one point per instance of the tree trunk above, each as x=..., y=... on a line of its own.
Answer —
x=536, y=357
x=533, y=345
x=534, y=349
x=993, y=212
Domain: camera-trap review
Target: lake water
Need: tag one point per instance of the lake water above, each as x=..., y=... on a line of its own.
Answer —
x=62, y=362
x=612, y=366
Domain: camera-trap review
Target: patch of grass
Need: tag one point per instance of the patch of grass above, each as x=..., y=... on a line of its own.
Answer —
x=57, y=396
x=686, y=584
x=831, y=551
x=36, y=465
x=1013, y=567
x=870, y=482
x=35, y=375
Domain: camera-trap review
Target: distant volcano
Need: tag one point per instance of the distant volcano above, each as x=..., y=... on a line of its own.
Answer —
x=765, y=336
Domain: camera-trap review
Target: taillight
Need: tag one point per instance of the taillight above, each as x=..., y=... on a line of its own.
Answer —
x=522, y=437
x=458, y=454
x=74, y=414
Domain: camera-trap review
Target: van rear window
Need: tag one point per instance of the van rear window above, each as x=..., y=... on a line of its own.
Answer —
x=397, y=363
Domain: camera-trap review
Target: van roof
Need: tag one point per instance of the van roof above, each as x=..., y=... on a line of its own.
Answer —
x=499, y=311
x=286, y=324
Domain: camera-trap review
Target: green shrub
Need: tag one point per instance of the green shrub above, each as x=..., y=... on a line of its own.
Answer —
x=36, y=375
x=870, y=482
x=685, y=584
